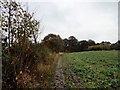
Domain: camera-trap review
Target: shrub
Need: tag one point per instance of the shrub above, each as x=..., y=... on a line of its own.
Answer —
x=45, y=65
x=43, y=54
x=99, y=47
x=21, y=59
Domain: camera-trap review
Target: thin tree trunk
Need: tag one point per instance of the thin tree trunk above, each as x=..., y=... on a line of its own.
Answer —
x=9, y=27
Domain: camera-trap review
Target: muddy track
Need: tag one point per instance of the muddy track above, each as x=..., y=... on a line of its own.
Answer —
x=75, y=79
x=59, y=79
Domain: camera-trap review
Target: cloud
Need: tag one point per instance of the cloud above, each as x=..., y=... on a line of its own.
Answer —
x=84, y=20
x=69, y=0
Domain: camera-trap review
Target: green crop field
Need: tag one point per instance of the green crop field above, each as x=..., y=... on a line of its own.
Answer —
x=94, y=69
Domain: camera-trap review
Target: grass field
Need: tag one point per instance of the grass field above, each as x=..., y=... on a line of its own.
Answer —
x=94, y=69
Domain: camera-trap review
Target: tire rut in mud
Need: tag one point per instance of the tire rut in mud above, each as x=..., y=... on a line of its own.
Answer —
x=59, y=79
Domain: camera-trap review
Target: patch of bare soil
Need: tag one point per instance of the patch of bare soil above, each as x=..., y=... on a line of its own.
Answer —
x=59, y=79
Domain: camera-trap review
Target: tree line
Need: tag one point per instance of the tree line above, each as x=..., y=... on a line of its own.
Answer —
x=73, y=45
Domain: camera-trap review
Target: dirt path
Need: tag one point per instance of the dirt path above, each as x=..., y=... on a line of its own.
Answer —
x=59, y=78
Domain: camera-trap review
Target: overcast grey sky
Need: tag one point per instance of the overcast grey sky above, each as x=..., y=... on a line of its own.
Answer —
x=84, y=20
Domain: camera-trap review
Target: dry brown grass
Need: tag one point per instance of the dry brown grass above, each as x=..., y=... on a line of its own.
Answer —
x=45, y=73
x=24, y=80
